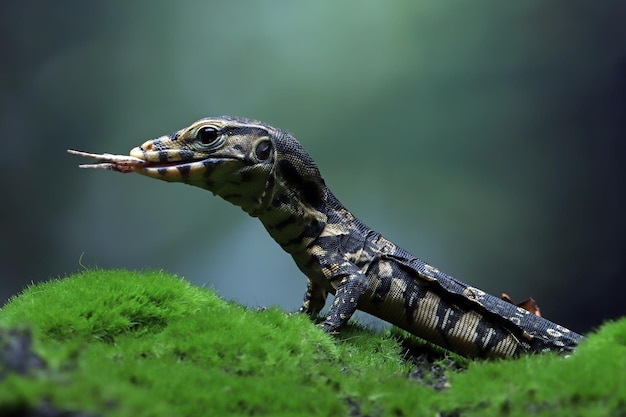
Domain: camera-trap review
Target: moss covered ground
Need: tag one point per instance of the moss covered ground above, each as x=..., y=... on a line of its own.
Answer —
x=122, y=343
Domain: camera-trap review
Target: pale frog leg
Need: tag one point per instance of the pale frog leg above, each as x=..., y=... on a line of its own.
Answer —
x=119, y=163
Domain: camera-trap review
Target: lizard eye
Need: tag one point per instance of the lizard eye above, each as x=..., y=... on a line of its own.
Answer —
x=263, y=150
x=209, y=136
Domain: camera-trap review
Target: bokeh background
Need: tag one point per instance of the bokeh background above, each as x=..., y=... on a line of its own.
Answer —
x=486, y=137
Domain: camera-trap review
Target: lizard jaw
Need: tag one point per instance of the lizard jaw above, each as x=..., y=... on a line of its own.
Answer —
x=159, y=165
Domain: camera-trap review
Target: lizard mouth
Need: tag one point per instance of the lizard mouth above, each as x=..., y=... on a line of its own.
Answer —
x=176, y=164
x=164, y=160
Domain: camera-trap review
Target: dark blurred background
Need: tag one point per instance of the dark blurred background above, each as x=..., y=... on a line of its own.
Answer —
x=487, y=138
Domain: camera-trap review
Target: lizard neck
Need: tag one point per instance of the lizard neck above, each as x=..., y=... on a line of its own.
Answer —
x=299, y=207
x=296, y=225
x=297, y=202
x=292, y=223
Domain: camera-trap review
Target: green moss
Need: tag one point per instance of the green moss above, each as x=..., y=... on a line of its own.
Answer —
x=122, y=343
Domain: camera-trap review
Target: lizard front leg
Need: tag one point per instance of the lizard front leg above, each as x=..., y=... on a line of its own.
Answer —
x=348, y=292
x=314, y=298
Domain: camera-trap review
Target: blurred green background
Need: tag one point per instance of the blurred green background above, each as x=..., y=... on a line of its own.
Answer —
x=485, y=137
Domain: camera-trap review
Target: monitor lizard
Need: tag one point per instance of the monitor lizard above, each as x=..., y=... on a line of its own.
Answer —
x=267, y=173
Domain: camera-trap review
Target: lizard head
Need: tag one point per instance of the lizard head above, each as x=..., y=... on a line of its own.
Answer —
x=243, y=161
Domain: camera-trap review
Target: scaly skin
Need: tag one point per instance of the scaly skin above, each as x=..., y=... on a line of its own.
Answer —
x=267, y=173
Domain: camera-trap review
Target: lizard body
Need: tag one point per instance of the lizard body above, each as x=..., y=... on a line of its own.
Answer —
x=268, y=174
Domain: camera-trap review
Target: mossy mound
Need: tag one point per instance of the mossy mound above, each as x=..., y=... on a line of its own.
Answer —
x=120, y=343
